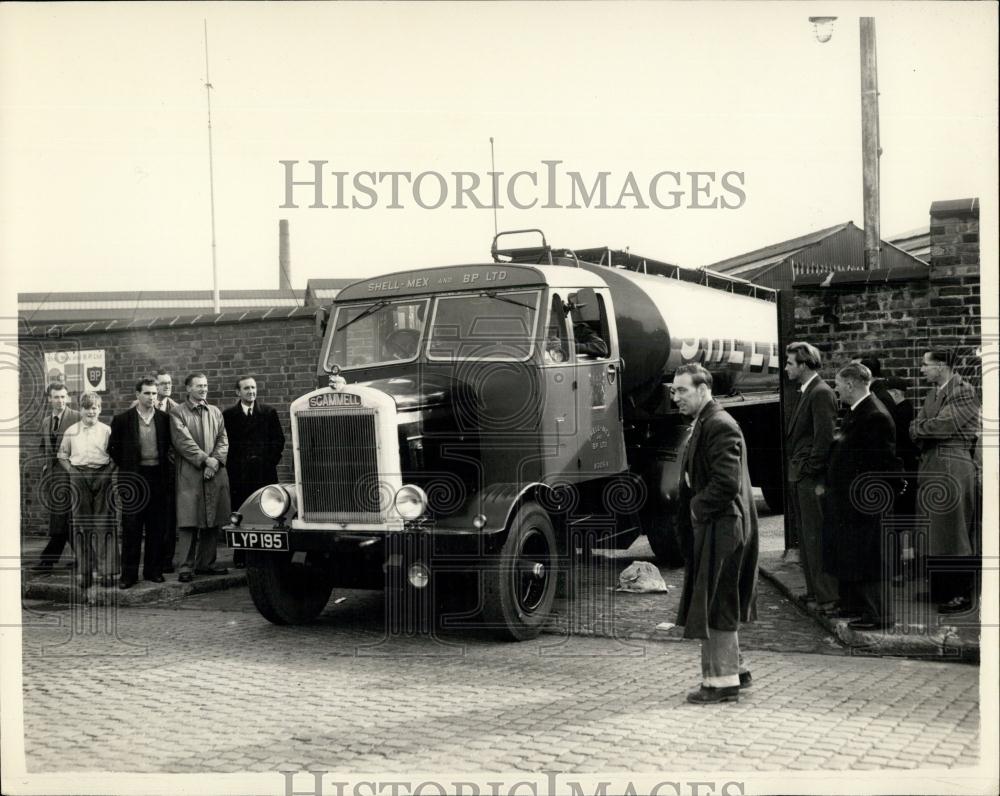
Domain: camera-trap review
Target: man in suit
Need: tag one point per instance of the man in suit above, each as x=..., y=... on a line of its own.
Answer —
x=256, y=443
x=717, y=524
x=140, y=445
x=201, y=447
x=808, y=437
x=54, y=483
x=859, y=490
x=946, y=429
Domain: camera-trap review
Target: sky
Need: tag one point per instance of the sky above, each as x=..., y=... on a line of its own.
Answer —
x=104, y=146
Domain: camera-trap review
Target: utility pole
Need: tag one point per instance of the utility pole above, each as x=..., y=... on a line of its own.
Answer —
x=216, y=306
x=870, y=149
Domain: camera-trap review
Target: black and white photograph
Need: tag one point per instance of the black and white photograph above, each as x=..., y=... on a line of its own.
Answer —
x=499, y=398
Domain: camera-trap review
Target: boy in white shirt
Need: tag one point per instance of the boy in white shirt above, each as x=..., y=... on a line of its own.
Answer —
x=83, y=454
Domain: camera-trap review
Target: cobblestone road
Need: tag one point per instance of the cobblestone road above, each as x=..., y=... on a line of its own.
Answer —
x=224, y=691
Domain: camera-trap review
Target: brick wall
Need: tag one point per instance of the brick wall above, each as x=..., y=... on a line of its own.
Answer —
x=898, y=321
x=281, y=354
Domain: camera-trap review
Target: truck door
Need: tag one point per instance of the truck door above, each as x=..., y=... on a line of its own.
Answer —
x=601, y=449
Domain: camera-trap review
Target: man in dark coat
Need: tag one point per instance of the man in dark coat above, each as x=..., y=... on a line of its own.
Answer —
x=140, y=445
x=860, y=490
x=717, y=523
x=256, y=443
x=54, y=484
x=809, y=434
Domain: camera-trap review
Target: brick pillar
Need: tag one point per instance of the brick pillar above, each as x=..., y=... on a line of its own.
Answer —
x=955, y=281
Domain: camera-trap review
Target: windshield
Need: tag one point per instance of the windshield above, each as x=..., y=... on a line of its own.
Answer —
x=488, y=325
x=377, y=333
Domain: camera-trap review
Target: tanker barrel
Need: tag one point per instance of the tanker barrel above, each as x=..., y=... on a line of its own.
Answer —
x=664, y=323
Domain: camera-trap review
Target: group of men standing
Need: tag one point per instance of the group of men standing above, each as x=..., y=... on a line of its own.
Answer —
x=858, y=497
x=862, y=503
x=172, y=469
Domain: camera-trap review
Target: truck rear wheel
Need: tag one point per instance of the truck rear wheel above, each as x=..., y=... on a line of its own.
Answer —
x=285, y=593
x=662, y=537
x=518, y=592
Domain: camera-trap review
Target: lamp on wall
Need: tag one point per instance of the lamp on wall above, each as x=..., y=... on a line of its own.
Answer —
x=823, y=28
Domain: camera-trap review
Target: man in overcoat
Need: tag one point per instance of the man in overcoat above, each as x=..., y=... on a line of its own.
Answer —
x=809, y=435
x=198, y=433
x=54, y=484
x=946, y=429
x=717, y=523
x=140, y=445
x=256, y=443
x=859, y=491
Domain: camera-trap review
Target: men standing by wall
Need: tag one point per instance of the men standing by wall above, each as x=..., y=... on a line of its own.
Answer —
x=945, y=430
x=140, y=446
x=717, y=523
x=54, y=484
x=859, y=490
x=256, y=443
x=809, y=435
x=198, y=433
x=83, y=454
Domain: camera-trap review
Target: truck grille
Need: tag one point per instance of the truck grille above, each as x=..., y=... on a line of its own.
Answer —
x=338, y=465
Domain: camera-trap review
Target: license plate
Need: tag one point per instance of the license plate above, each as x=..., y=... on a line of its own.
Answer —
x=257, y=540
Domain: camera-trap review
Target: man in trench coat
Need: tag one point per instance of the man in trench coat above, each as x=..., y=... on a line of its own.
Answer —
x=946, y=430
x=860, y=489
x=199, y=438
x=717, y=523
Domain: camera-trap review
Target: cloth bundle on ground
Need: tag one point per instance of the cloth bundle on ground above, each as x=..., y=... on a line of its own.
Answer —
x=641, y=576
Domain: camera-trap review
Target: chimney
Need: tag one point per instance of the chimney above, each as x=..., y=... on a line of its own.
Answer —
x=284, y=257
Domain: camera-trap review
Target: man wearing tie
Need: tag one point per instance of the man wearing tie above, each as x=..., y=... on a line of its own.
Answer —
x=201, y=446
x=809, y=435
x=717, y=524
x=256, y=443
x=54, y=483
x=859, y=490
x=946, y=429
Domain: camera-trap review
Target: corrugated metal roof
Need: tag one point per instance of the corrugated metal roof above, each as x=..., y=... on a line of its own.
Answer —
x=774, y=253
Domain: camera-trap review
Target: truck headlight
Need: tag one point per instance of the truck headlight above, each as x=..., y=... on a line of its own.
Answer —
x=411, y=502
x=274, y=502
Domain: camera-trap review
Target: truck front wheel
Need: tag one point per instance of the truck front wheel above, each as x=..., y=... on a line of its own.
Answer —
x=286, y=593
x=519, y=590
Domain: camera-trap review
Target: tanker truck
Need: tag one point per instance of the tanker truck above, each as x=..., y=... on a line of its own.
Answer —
x=475, y=427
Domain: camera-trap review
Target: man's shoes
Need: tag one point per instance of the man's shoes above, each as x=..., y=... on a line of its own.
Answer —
x=956, y=605
x=707, y=695
x=745, y=680
x=127, y=583
x=219, y=571
x=184, y=577
x=156, y=579
x=869, y=624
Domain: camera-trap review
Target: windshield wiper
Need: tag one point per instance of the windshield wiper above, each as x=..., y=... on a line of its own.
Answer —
x=373, y=308
x=493, y=295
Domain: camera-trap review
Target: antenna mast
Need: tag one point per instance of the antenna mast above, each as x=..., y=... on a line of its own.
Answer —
x=211, y=181
x=493, y=174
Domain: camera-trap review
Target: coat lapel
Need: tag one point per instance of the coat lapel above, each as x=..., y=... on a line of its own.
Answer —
x=801, y=394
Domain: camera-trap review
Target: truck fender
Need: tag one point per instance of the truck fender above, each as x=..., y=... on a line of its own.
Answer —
x=666, y=470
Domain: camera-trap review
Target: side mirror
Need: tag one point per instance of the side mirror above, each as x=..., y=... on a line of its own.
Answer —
x=319, y=322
